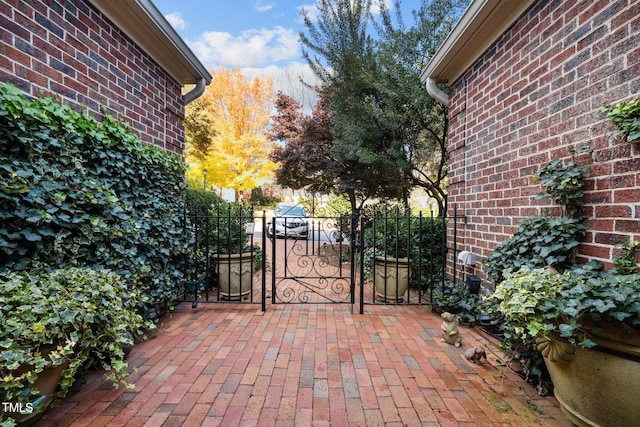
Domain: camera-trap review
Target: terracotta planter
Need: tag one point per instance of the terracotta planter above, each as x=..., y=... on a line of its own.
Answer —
x=46, y=384
x=598, y=386
x=235, y=273
x=391, y=278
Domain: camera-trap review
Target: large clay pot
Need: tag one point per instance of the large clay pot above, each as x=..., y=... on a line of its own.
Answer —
x=597, y=386
x=46, y=383
x=234, y=274
x=391, y=278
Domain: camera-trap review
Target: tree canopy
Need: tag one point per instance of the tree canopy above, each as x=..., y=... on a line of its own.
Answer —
x=386, y=134
x=225, y=132
x=310, y=160
x=342, y=53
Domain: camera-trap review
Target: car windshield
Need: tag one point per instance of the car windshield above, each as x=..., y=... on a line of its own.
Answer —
x=290, y=210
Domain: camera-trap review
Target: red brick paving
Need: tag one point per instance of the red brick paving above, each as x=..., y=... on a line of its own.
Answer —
x=308, y=365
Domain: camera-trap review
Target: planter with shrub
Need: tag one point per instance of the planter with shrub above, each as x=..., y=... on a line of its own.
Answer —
x=231, y=254
x=586, y=324
x=401, y=251
x=54, y=324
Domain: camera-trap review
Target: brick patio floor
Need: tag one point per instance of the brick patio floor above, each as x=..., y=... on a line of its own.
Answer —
x=304, y=365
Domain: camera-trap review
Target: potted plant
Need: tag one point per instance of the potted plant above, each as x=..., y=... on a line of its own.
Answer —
x=232, y=256
x=53, y=323
x=402, y=251
x=389, y=242
x=586, y=324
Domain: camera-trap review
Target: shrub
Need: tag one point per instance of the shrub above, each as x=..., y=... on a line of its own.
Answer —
x=258, y=198
x=230, y=220
x=199, y=204
x=574, y=305
x=456, y=299
x=539, y=241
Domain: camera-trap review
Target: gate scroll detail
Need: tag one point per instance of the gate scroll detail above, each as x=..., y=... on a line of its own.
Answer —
x=319, y=269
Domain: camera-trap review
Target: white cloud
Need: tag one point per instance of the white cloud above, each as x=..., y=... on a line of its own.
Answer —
x=262, y=6
x=176, y=21
x=375, y=6
x=311, y=10
x=251, y=48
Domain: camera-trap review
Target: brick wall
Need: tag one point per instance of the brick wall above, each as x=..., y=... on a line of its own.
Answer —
x=68, y=48
x=535, y=96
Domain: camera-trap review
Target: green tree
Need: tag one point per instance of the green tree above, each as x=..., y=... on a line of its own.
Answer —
x=341, y=53
x=384, y=125
x=415, y=123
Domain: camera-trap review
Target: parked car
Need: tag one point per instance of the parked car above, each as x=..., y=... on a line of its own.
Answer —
x=291, y=220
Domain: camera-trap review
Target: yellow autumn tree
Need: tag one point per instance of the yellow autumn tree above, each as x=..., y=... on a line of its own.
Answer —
x=225, y=132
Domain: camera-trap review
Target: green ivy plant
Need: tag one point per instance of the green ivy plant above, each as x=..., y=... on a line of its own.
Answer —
x=564, y=184
x=75, y=191
x=627, y=264
x=63, y=316
x=575, y=305
x=456, y=299
x=538, y=242
x=626, y=116
x=545, y=240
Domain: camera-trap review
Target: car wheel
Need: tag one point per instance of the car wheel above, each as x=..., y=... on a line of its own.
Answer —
x=269, y=232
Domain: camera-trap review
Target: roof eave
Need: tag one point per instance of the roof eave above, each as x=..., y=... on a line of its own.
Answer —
x=481, y=25
x=143, y=23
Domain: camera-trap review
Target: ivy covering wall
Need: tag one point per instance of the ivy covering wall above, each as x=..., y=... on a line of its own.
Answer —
x=75, y=191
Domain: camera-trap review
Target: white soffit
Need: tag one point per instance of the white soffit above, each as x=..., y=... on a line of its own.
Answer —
x=481, y=25
x=141, y=21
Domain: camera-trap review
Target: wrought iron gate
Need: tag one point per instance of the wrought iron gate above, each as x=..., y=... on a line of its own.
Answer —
x=321, y=268
x=334, y=260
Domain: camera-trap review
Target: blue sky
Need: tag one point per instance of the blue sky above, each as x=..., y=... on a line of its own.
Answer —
x=258, y=36
x=242, y=33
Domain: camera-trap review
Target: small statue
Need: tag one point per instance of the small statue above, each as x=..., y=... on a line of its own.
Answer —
x=475, y=354
x=450, y=332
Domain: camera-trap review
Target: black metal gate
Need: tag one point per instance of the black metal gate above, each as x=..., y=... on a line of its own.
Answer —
x=320, y=260
x=319, y=267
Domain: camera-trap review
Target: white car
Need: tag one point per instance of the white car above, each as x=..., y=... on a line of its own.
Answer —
x=291, y=220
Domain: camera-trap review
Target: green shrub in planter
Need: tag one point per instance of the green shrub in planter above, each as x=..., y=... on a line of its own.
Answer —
x=574, y=305
x=63, y=317
x=230, y=221
x=395, y=233
x=586, y=325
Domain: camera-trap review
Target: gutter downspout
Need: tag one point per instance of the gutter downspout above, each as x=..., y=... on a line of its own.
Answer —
x=436, y=92
x=195, y=93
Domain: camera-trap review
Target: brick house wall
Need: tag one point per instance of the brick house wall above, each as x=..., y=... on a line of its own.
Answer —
x=70, y=49
x=535, y=96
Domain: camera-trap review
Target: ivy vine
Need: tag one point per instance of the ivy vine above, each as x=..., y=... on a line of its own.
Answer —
x=75, y=191
x=626, y=116
x=543, y=240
